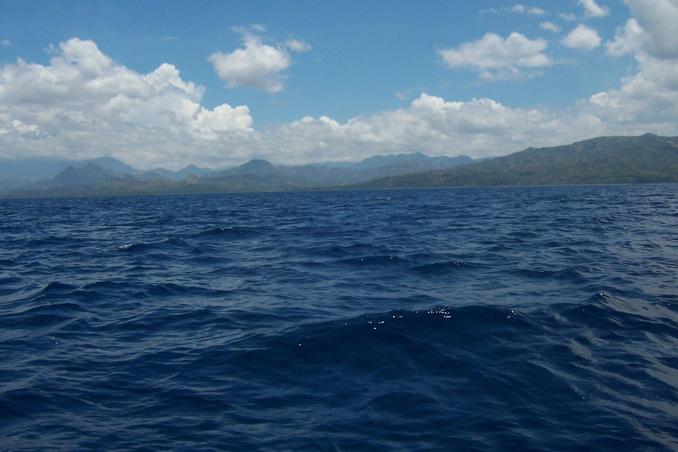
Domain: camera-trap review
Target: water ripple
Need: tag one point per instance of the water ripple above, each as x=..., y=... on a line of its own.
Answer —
x=503, y=318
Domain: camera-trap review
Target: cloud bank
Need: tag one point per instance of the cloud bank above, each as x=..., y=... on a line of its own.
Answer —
x=83, y=103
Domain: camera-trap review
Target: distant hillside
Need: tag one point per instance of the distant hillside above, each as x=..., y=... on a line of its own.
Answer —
x=261, y=175
x=417, y=159
x=36, y=173
x=21, y=171
x=605, y=160
x=108, y=176
x=110, y=164
x=87, y=174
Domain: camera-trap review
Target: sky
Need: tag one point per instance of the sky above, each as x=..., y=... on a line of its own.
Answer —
x=216, y=83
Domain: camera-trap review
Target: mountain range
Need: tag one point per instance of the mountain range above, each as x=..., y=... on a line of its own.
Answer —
x=108, y=176
x=35, y=172
x=604, y=160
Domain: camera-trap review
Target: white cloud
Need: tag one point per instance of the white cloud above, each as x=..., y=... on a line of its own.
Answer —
x=582, y=37
x=478, y=127
x=568, y=16
x=297, y=45
x=84, y=104
x=519, y=8
x=5, y=42
x=592, y=9
x=550, y=26
x=256, y=64
x=494, y=57
x=651, y=32
x=627, y=39
x=651, y=95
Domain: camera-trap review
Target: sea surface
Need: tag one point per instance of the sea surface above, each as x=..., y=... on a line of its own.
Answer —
x=468, y=319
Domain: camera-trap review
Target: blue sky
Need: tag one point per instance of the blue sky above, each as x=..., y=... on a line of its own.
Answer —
x=364, y=60
x=363, y=52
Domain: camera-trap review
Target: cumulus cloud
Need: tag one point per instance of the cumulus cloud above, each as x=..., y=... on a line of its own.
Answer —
x=297, y=45
x=494, y=57
x=651, y=95
x=83, y=104
x=652, y=30
x=630, y=38
x=582, y=37
x=550, y=26
x=568, y=16
x=479, y=127
x=256, y=64
x=593, y=9
x=519, y=8
x=5, y=42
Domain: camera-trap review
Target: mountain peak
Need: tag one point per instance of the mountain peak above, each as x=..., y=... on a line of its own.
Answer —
x=111, y=164
x=87, y=173
x=257, y=162
x=255, y=166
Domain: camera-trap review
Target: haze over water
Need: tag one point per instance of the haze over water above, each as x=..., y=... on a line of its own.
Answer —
x=514, y=318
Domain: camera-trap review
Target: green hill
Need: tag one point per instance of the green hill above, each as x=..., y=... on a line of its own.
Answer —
x=605, y=160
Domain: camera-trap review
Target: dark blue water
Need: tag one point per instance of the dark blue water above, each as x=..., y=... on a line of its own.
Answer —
x=504, y=318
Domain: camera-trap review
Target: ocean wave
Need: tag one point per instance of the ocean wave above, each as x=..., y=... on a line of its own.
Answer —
x=527, y=319
x=230, y=233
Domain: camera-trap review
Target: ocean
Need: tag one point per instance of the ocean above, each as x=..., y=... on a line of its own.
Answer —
x=469, y=319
